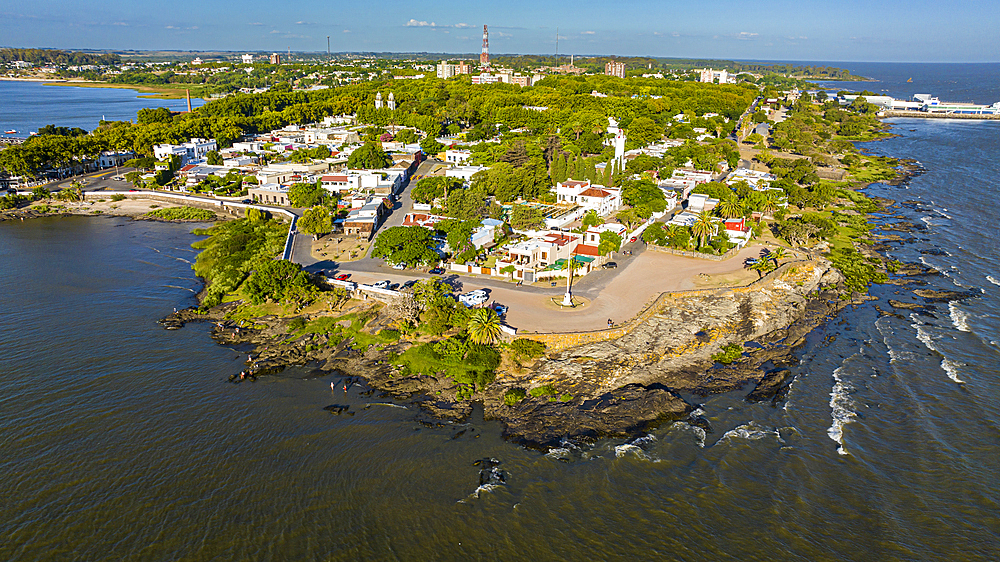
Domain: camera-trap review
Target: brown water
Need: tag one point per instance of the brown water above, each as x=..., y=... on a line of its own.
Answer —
x=120, y=440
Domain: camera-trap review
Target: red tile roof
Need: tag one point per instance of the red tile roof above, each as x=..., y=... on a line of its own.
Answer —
x=594, y=192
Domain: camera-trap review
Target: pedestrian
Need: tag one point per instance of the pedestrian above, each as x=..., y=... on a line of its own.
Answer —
x=610, y=323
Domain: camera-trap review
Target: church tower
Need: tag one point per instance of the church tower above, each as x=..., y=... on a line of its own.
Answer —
x=392, y=102
x=378, y=100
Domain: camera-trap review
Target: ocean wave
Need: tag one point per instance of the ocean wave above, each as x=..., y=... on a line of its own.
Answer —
x=626, y=448
x=841, y=408
x=942, y=213
x=481, y=489
x=951, y=369
x=750, y=431
x=993, y=280
x=699, y=433
x=959, y=317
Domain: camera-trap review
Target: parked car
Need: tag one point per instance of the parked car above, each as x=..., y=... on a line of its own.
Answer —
x=342, y=277
x=499, y=309
x=393, y=286
x=399, y=266
x=749, y=261
x=437, y=271
x=410, y=283
x=473, y=298
x=633, y=239
x=609, y=265
x=381, y=284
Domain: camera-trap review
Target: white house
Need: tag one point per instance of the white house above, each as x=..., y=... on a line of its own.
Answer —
x=604, y=200
x=191, y=151
x=463, y=172
x=110, y=158
x=456, y=155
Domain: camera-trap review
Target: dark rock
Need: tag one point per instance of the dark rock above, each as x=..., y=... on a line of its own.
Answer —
x=941, y=296
x=906, y=305
x=623, y=412
x=336, y=409
x=769, y=386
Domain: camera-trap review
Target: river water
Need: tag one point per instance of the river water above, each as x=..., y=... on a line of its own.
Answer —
x=120, y=440
x=27, y=106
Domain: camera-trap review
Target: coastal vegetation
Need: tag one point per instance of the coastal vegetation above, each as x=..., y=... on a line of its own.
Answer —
x=182, y=214
x=233, y=250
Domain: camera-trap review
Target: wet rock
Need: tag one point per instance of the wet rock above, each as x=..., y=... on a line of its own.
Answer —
x=490, y=473
x=915, y=269
x=934, y=252
x=337, y=409
x=906, y=305
x=942, y=296
x=624, y=412
x=769, y=386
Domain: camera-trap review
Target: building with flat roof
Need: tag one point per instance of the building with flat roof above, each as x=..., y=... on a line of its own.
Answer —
x=615, y=68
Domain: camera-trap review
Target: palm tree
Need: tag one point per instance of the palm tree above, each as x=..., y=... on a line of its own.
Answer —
x=762, y=267
x=777, y=255
x=731, y=208
x=770, y=203
x=484, y=326
x=703, y=227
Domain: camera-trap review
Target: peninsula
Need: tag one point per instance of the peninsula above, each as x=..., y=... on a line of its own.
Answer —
x=574, y=250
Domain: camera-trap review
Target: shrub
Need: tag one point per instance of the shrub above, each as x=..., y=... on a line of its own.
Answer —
x=544, y=390
x=297, y=323
x=118, y=197
x=388, y=335
x=182, y=213
x=513, y=396
x=565, y=397
x=729, y=353
x=525, y=348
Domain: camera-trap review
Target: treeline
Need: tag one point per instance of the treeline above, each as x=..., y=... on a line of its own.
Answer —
x=51, y=56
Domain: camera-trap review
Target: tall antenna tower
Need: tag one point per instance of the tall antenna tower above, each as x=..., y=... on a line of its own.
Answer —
x=557, y=45
x=484, y=58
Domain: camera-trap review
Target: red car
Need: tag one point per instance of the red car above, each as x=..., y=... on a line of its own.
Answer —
x=342, y=277
x=634, y=238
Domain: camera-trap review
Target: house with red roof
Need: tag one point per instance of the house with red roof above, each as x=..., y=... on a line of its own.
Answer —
x=604, y=200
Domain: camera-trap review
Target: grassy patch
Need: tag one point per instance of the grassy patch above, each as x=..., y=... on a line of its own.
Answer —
x=424, y=360
x=729, y=353
x=544, y=390
x=182, y=213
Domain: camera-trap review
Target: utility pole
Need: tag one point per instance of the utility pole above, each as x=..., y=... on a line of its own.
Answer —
x=327, y=46
x=557, y=46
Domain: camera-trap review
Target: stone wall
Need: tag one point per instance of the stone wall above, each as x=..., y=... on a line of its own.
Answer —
x=560, y=341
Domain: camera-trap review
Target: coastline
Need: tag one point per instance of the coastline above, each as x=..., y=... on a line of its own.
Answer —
x=145, y=91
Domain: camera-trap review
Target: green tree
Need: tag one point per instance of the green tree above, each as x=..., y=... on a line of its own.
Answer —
x=591, y=218
x=305, y=195
x=731, y=208
x=610, y=242
x=777, y=255
x=704, y=227
x=271, y=279
x=159, y=115
x=405, y=244
x=316, y=221
x=484, y=326
x=213, y=158
x=368, y=157
x=523, y=217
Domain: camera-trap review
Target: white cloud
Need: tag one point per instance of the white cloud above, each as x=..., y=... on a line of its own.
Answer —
x=415, y=23
x=462, y=25
x=745, y=36
x=501, y=34
x=587, y=32
x=275, y=31
x=346, y=31
x=255, y=23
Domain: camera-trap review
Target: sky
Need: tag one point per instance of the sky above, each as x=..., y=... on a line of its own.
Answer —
x=789, y=30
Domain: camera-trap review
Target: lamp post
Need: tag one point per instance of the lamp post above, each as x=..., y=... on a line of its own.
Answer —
x=568, y=297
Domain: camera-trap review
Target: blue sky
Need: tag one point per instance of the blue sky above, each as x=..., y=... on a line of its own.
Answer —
x=846, y=30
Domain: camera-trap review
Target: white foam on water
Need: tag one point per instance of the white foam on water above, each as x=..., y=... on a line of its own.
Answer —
x=644, y=440
x=951, y=369
x=624, y=449
x=558, y=453
x=993, y=280
x=942, y=213
x=841, y=407
x=959, y=317
x=750, y=431
x=699, y=433
x=482, y=488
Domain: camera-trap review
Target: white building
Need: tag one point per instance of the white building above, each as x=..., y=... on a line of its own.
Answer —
x=463, y=172
x=189, y=152
x=604, y=200
x=247, y=59
x=457, y=156
x=110, y=158
x=720, y=76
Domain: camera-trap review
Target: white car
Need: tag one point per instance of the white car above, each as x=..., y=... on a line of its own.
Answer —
x=473, y=298
x=381, y=285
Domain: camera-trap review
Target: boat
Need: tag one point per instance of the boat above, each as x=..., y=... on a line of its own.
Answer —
x=10, y=132
x=909, y=79
x=32, y=133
